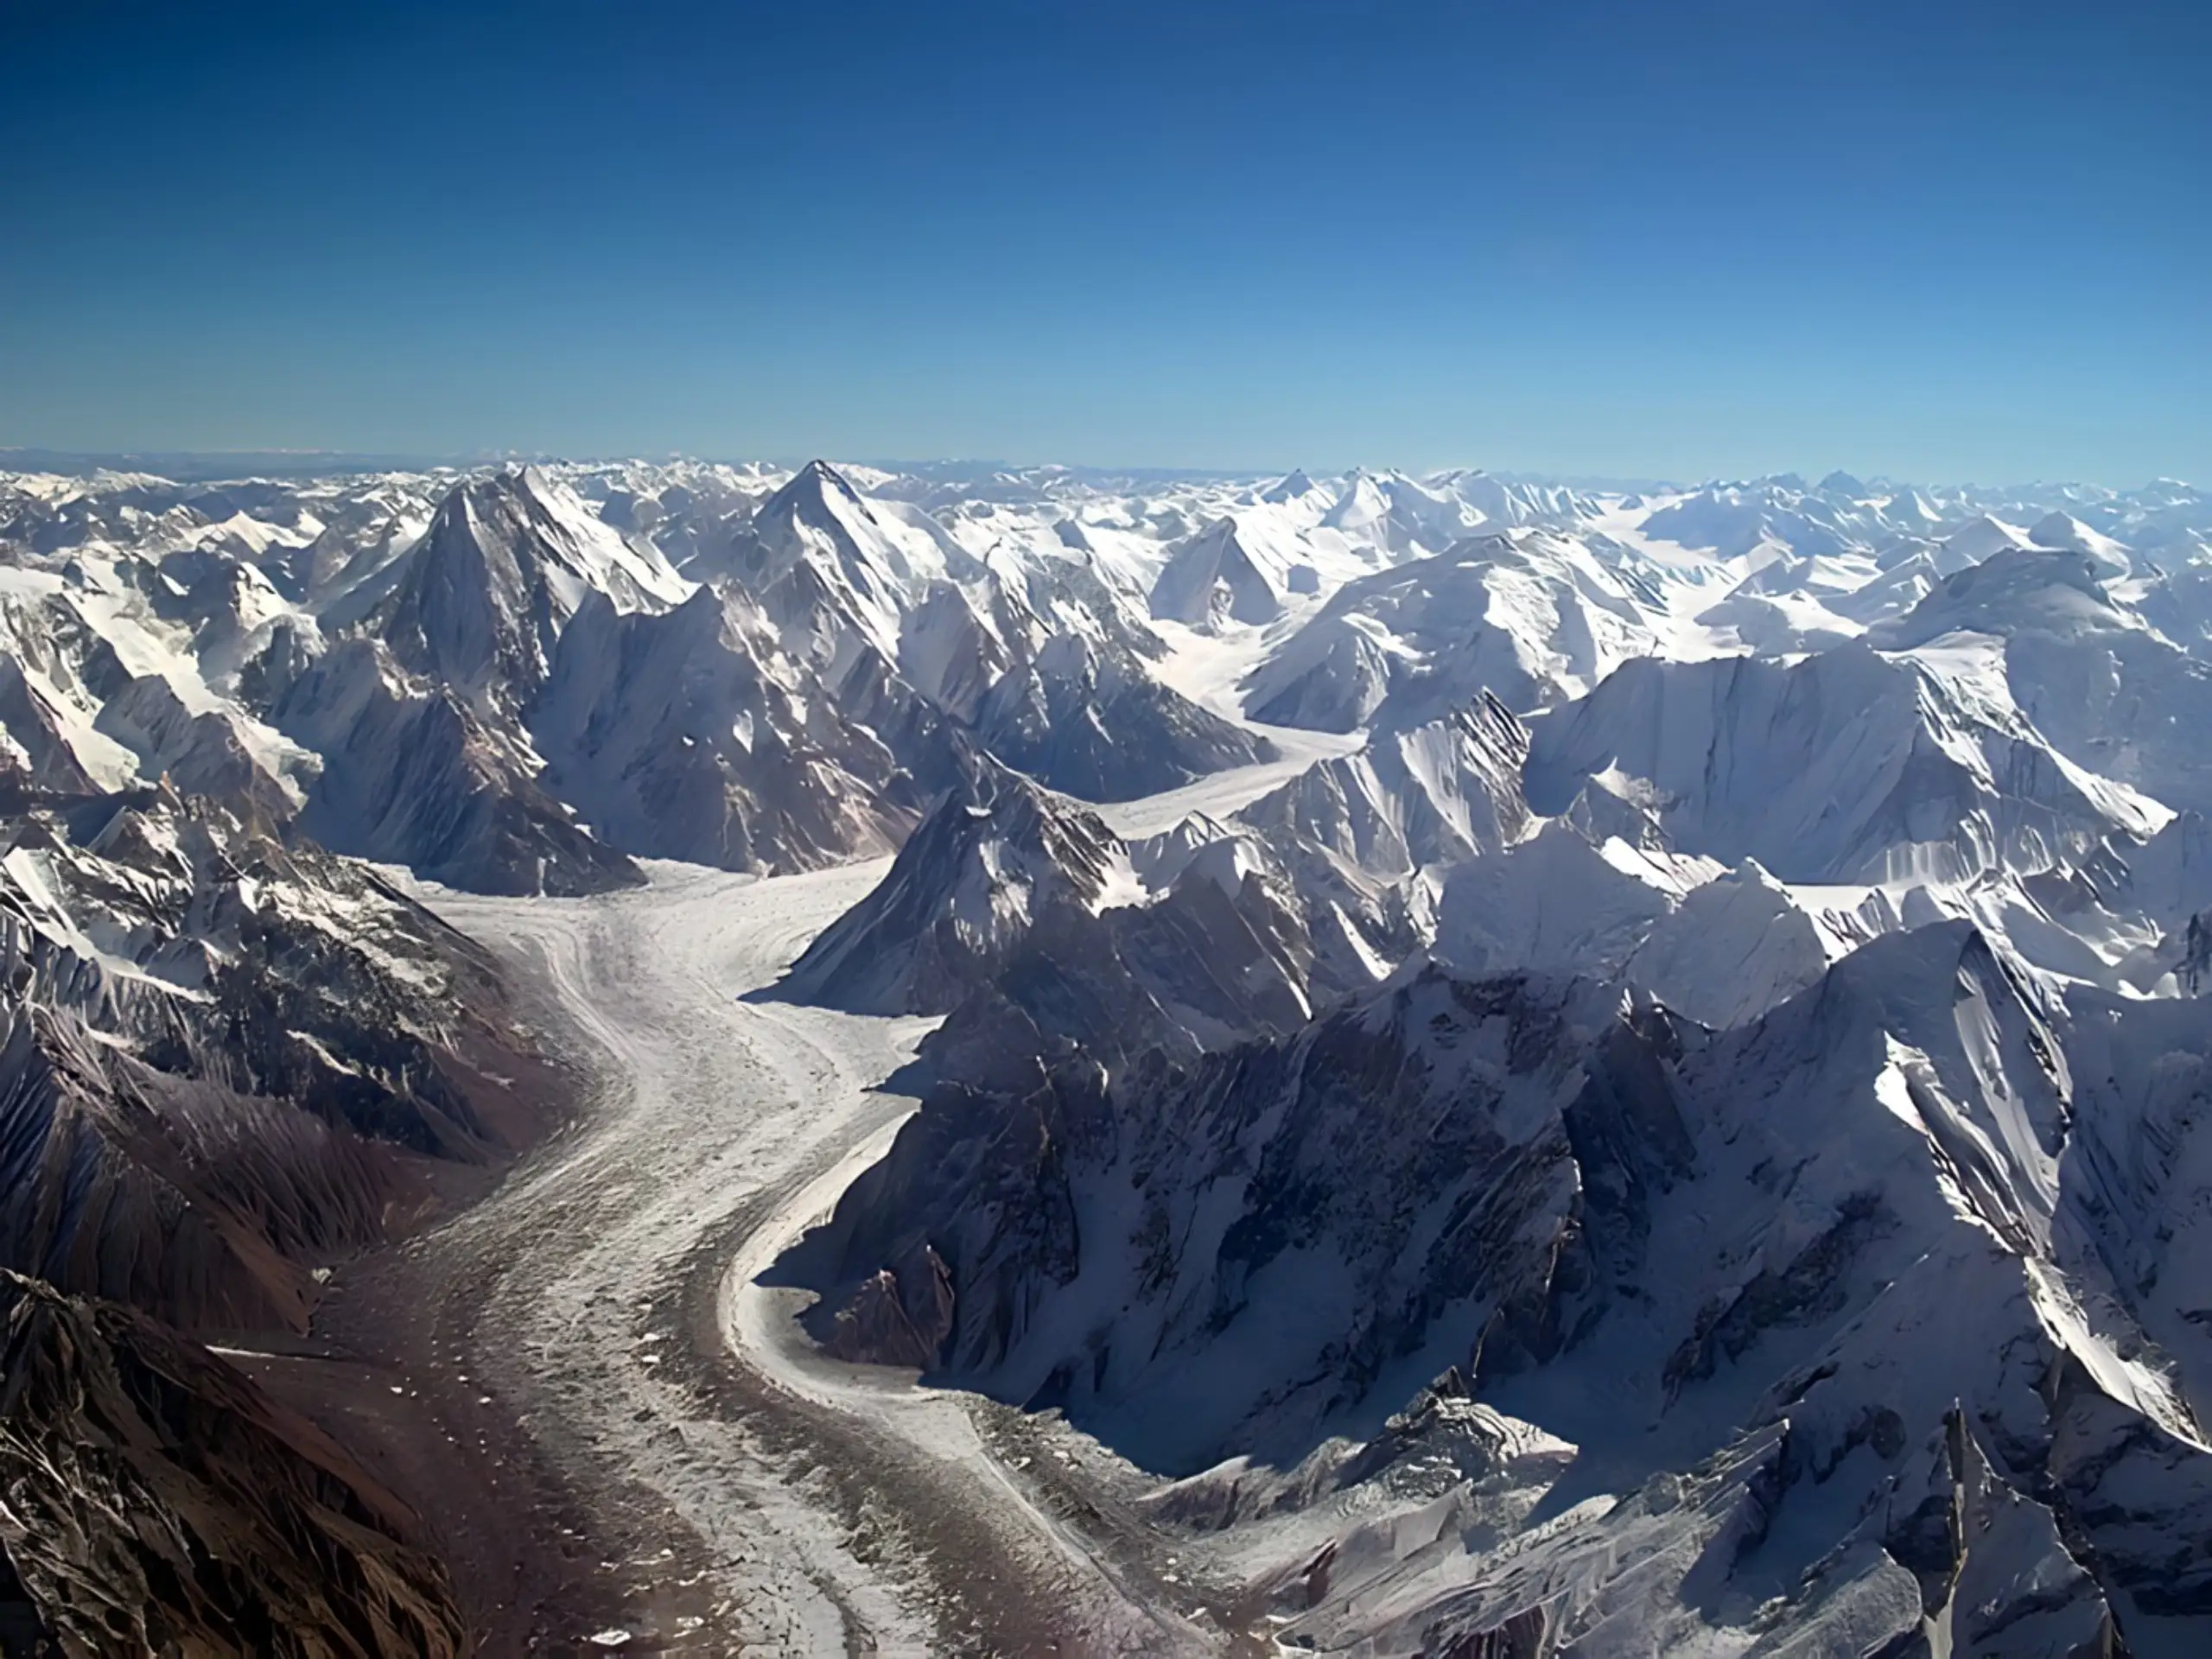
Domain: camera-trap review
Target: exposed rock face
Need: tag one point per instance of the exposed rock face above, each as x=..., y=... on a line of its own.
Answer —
x=220, y=1057
x=1738, y=1015
x=827, y=570
x=490, y=681
x=993, y=855
x=200, y=754
x=1094, y=723
x=1039, y=933
x=697, y=740
x=899, y=1317
x=174, y=1195
x=507, y=560
x=950, y=653
x=1874, y=1253
x=156, y=1501
x=412, y=775
x=1243, y=1289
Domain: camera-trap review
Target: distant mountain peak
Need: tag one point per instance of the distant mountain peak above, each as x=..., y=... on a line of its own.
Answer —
x=820, y=475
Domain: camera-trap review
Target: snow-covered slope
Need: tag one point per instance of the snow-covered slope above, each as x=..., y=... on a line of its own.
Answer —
x=991, y=856
x=829, y=570
x=1037, y=930
x=1868, y=1304
x=483, y=597
x=1677, y=1129
x=688, y=735
x=1531, y=618
x=412, y=774
x=1850, y=765
x=2111, y=693
x=1410, y=799
x=223, y=1059
x=1091, y=721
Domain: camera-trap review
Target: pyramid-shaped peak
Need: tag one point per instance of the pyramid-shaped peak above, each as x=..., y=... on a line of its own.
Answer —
x=821, y=475
x=817, y=494
x=817, y=484
x=524, y=493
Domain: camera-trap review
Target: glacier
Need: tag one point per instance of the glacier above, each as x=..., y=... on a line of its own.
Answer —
x=971, y=1057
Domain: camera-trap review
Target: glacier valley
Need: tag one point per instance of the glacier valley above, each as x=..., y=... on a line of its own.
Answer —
x=959, y=1059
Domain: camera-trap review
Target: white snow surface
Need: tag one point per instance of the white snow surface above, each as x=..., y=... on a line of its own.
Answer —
x=1894, y=796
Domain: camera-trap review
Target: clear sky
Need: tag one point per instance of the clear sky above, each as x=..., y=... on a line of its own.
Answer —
x=1718, y=236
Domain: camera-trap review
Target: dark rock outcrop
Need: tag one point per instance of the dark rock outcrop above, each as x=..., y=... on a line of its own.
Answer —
x=157, y=1502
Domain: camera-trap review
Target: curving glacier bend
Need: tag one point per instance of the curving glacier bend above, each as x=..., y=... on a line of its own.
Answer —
x=719, y=1123
x=1415, y=1067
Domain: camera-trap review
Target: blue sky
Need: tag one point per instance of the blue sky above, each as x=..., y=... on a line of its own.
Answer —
x=1718, y=237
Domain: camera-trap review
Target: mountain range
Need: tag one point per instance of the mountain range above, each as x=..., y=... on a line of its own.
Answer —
x=1544, y=1070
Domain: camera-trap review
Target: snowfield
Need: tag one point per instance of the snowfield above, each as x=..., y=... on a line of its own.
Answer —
x=986, y=1059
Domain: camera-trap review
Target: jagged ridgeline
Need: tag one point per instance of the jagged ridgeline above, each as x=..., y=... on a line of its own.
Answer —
x=227, y=1065
x=1550, y=1068
x=257, y=1047
x=1730, y=1071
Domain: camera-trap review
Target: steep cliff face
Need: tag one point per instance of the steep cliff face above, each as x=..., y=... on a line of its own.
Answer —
x=210, y=1207
x=1876, y=1253
x=693, y=737
x=1219, y=1257
x=1091, y=719
x=157, y=1502
x=1420, y=799
x=413, y=774
x=227, y=1063
x=482, y=599
x=994, y=855
x=1850, y=765
x=1039, y=933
